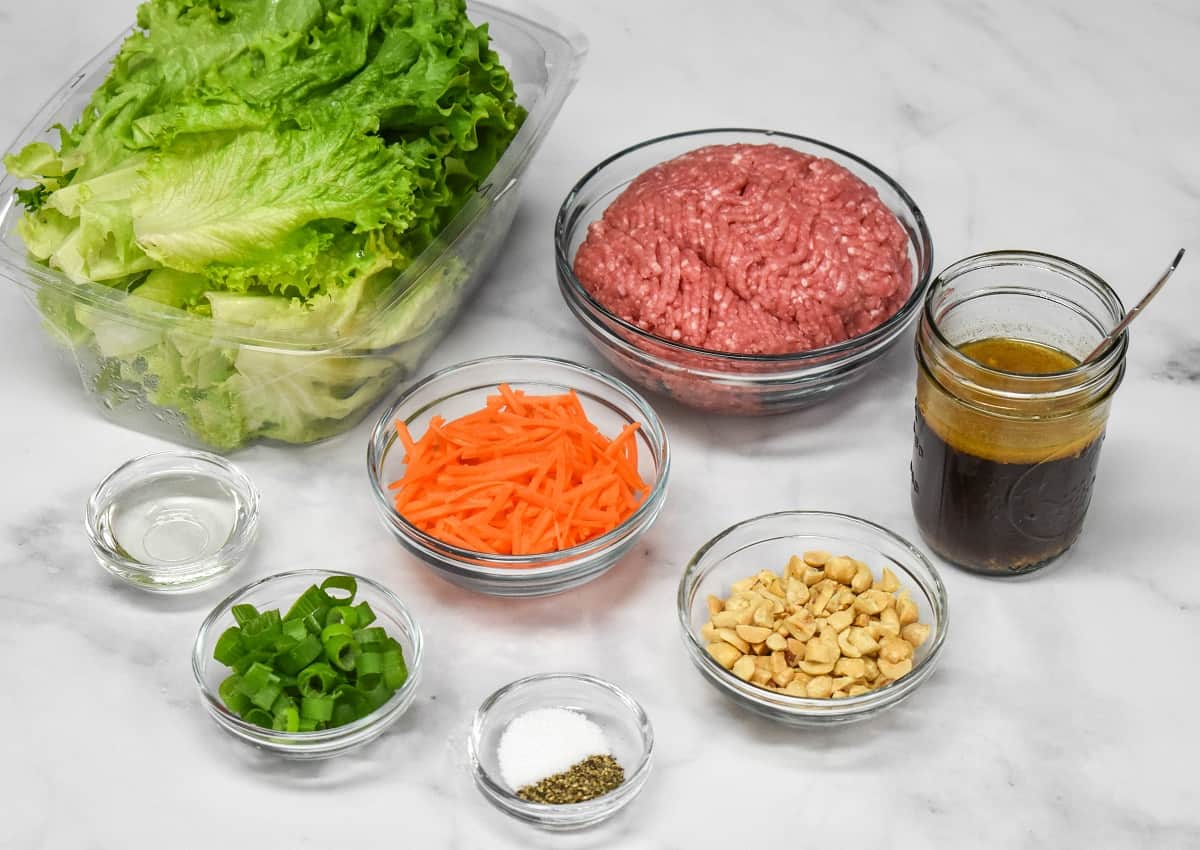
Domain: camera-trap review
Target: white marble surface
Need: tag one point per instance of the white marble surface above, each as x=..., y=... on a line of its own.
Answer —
x=1064, y=714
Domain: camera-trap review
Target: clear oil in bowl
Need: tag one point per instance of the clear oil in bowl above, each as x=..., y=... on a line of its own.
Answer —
x=172, y=521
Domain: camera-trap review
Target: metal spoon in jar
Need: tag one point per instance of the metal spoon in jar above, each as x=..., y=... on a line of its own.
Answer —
x=1132, y=314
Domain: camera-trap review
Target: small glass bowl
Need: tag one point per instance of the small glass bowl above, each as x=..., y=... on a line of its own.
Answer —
x=720, y=381
x=172, y=521
x=462, y=389
x=280, y=591
x=619, y=715
x=767, y=542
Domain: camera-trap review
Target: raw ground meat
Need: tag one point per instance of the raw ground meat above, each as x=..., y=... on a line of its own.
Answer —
x=752, y=249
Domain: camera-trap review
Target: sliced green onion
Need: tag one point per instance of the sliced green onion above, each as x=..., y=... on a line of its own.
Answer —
x=378, y=695
x=316, y=680
x=346, y=583
x=261, y=685
x=372, y=638
x=229, y=646
x=365, y=615
x=317, y=708
x=342, y=652
x=287, y=720
x=243, y=613
x=262, y=631
x=293, y=660
x=395, y=671
x=369, y=666
x=322, y=665
x=231, y=695
x=259, y=718
x=294, y=631
x=344, y=615
x=311, y=600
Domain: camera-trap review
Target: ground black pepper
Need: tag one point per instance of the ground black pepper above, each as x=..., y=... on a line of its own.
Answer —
x=590, y=778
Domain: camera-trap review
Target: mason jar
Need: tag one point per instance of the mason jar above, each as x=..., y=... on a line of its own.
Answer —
x=1009, y=421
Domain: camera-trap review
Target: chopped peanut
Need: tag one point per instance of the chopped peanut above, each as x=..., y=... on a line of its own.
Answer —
x=824, y=628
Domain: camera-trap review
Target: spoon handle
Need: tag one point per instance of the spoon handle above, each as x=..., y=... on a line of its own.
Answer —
x=1132, y=314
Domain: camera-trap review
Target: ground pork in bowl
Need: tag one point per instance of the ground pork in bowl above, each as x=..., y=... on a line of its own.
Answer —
x=741, y=271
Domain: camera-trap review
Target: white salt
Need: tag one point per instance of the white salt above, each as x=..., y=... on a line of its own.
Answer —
x=546, y=741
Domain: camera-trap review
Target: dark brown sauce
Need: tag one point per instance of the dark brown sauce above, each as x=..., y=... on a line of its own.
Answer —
x=984, y=509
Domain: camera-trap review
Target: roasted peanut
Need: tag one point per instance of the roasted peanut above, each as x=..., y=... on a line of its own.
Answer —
x=893, y=650
x=823, y=627
x=915, y=633
x=872, y=601
x=730, y=637
x=840, y=569
x=753, y=634
x=840, y=621
x=842, y=600
x=895, y=670
x=820, y=687
x=725, y=619
x=816, y=558
x=821, y=651
x=797, y=592
x=862, y=578
x=888, y=582
x=743, y=585
x=743, y=668
x=796, y=648
x=724, y=654
x=862, y=639
x=855, y=668
x=848, y=649
x=871, y=669
x=796, y=688
x=822, y=592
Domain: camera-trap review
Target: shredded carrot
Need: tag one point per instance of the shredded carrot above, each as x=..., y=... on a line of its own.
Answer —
x=524, y=475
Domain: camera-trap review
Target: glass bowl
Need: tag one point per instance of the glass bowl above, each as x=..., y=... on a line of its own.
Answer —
x=619, y=715
x=767, y=542
x=172, y=521
x=461, y=389
x=720, y=381
x=280, y=591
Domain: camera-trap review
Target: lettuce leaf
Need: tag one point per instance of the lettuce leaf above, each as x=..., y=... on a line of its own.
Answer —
x=271, y=167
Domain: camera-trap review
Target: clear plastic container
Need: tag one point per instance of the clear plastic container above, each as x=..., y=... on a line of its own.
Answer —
x=351, y=361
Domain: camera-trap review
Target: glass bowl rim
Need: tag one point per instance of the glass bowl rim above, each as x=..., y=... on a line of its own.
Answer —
x=382, y=439
x=241, y=535
x=898, y=320
x=633, y=779
x=250, y=730
x=812, y=706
